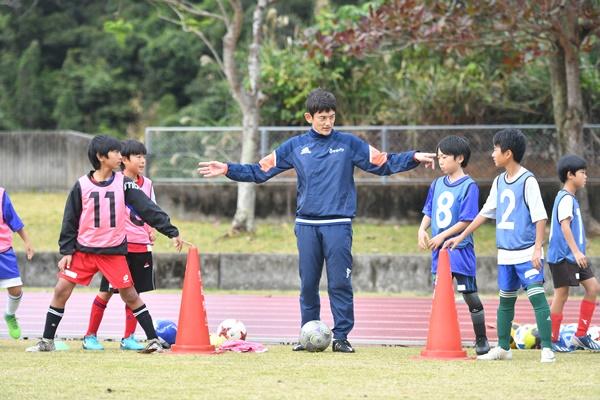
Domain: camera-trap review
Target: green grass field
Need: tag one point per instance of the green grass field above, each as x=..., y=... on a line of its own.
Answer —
x=42, y=214
x=374, y=372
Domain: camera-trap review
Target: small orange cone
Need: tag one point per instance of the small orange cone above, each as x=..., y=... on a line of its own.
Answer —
x=192, y=330
x=443, y=340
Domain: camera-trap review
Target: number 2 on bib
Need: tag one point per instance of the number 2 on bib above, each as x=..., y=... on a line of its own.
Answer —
x=504, y=223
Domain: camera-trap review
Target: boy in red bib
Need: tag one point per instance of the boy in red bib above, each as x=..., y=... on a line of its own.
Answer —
x=93, y=238
x=140, y=237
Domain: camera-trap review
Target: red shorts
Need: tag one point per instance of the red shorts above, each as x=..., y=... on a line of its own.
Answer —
x=85, y=265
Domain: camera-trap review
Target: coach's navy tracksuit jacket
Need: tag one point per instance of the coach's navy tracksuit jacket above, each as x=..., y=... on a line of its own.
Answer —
x=326, y=204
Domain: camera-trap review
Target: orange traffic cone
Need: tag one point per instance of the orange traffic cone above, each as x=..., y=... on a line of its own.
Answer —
x=192, y=331
x=443, y=341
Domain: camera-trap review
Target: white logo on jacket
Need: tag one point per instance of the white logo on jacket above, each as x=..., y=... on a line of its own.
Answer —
x=305, y=150
x=331, y=151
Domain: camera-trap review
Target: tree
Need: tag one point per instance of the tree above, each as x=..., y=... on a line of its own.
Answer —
x=556, y=29
x=192, y=18
x=29, y=104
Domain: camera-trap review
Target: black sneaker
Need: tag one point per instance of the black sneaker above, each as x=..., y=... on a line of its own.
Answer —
x=482, y=346
x=342, y=345
x=298, y=347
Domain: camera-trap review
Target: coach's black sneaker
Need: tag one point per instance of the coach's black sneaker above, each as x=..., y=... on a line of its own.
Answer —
x=298, y=347
x=482, y=346
x=342, y=345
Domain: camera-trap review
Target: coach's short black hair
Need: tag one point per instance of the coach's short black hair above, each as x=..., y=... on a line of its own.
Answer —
x=102, y=145
x=569, y=163
x=511, y=139
x=456, y=146
x=132, y=148
x=320, y=100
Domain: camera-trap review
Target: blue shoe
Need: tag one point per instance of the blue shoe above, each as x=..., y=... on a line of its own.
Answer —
x=131, y=344
x=586, y=342
x=91, y=343
x=557, y=347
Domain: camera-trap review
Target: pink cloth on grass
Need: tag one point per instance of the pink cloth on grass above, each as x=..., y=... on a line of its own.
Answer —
x=242, y=346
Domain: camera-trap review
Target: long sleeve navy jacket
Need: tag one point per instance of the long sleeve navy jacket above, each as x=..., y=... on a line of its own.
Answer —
x=325, y=169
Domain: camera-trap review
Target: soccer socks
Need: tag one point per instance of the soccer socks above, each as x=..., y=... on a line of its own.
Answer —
x=506, y=314
x=477, y=314
x=556, y=320
x=53, y=318
x=537, y=298
x=586, y=310
x=143, y=317
x=13, y=304
x=96, y=315
x=130, y=322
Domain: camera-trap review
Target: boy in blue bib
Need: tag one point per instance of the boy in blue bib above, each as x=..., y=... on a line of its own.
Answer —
x=566, y=256
x=452, y=203
x=515, y=202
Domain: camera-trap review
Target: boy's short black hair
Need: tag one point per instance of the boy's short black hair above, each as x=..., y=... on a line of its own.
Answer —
x=456, y=146
x=320, y=100
x=511, y=139
x=132, y=148
x=569, y=163
x=102, y=145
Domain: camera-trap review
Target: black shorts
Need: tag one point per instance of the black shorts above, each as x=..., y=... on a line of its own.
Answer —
x=142, y=273
x=567, y=274
x=464, y=283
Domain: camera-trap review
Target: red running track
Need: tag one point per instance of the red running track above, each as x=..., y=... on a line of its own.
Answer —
x=272, y=319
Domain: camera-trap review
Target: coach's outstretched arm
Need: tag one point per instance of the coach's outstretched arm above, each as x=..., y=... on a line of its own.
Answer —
x=261, y=172
x=369, y=159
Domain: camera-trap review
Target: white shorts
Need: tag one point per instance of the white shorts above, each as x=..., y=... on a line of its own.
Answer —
x=12, y=282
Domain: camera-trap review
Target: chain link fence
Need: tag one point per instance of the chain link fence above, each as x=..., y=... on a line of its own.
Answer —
x=174, y=153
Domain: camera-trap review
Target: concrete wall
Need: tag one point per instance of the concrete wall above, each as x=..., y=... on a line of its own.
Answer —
x=371, y=273
x=42, y=160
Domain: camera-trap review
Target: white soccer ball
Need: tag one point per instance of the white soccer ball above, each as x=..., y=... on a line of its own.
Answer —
x=594, y=332
x=315, y=336
x=232, y=329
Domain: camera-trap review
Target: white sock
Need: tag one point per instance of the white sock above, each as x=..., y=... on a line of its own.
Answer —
x=13, y=304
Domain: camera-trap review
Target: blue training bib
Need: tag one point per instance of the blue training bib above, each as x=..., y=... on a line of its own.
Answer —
x=446, y=204
x=514, y=229
x=558, y=249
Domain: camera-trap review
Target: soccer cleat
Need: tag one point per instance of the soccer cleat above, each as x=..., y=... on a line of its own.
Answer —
x=557, y=347
x=130, y=343
x=13, y=326
x=298, y=347
x=165, y=345
x=42, y=346
x=342, y=346
x=586, y=342
x=547, y=355
x=91, y=343
x=153, y=346
x=482, y=346
x=497, y=353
